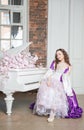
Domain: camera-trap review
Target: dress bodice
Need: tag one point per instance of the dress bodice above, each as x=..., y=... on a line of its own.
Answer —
x=58, y=73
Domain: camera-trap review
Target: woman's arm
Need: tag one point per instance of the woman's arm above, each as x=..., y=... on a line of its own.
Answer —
x=67, y=82
x=49, y=81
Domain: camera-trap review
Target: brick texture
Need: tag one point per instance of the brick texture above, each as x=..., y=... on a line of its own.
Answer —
x=38, y=18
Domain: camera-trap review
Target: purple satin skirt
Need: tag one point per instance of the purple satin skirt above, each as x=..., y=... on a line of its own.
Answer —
x=32, y=106
x=74, y=110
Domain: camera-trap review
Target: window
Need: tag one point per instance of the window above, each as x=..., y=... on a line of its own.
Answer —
x=13, y=30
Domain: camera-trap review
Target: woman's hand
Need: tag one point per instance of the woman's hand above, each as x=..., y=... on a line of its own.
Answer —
x=48, y=82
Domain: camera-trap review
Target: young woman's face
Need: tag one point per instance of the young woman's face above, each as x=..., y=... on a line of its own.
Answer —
x=60, y=55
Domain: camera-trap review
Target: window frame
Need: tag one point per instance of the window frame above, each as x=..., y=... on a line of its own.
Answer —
x=23, y=9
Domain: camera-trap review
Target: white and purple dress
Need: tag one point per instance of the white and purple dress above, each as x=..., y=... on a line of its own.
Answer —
x=59, y=97
x=74, y=110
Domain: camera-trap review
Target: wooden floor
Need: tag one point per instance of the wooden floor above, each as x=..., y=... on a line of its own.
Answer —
x=23, y=119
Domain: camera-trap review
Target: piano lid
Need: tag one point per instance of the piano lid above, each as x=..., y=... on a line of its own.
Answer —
x=15, y=51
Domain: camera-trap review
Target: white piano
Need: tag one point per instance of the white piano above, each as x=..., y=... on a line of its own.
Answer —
x=20, y=80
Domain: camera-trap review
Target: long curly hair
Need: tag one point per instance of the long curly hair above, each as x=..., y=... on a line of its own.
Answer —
x=66, y=57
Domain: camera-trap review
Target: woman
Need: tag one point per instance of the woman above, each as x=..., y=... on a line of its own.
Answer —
x=74, y=110
x=55, y=96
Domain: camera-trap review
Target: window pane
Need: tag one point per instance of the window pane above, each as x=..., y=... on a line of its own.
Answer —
x=5, y=32
x=16, y=43
x=16, y=17
x=16, y=2
x=5, y=17
x=5, y=2
x=5, y=45
x=12, y=2
x=16, y=32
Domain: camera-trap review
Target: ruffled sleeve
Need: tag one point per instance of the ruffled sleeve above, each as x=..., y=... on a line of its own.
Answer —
x=48, y=73
x=52, y=66
x=50, y=70
x=67, y=84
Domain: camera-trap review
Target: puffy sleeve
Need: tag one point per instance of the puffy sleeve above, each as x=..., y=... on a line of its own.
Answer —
x=48, y=73
x=67, y=84
x=52, y=66
x=50, y=70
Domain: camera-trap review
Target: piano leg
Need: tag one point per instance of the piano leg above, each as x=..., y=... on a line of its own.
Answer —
x=9, y=101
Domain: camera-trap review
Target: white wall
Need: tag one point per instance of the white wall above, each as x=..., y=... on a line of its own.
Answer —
x=77, y=43
x=66, y=30
x=57, y=26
